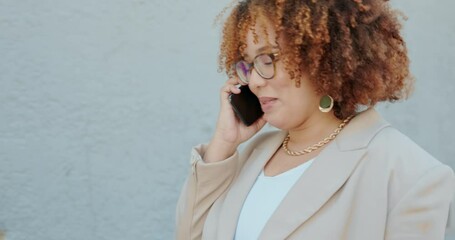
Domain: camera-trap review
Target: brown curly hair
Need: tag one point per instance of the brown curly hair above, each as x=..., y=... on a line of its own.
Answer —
x=351, y=50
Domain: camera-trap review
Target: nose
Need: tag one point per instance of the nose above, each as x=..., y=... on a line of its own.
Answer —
x=256, y=80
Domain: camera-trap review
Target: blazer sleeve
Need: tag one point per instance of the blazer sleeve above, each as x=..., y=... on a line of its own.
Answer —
x=422, y=212
x=204, y=184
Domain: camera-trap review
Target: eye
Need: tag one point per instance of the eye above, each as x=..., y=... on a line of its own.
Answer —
x=264, y=60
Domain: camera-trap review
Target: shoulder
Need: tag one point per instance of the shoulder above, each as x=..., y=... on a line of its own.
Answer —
x=413, y=176
x=397, y=149
x=405, y=164
x=389, y=154
x=383, y=143
x=397, y=144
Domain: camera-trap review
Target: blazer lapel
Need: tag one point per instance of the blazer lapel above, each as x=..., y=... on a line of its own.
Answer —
x=319, y=182
x=316, y=186
x=239, y=191
x=327, y=174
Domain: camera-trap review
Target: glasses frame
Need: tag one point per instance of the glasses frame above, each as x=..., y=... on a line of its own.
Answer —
x=273, y=56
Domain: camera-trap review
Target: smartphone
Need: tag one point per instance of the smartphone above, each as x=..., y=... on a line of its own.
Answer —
x=246, y=105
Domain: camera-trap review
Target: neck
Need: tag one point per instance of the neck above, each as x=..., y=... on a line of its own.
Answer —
x=313, y=130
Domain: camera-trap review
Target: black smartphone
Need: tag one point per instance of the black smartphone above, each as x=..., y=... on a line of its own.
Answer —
x=246, y=105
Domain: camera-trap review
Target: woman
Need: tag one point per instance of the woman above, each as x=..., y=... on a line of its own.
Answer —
x=332, y=171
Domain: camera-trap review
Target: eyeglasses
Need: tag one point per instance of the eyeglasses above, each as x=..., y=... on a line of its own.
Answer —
x=264, y=64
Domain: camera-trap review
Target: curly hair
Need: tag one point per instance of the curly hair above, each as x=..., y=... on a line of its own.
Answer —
x=351, y=50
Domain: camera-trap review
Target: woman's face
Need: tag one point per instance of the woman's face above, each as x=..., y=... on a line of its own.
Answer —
x=285, y=106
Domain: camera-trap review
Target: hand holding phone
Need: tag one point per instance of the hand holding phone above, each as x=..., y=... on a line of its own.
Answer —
x=246, y=105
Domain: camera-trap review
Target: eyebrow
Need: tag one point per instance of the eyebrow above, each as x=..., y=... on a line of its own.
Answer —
x=261, y=50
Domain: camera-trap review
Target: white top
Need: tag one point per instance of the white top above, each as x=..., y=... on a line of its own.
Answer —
x=262, y=200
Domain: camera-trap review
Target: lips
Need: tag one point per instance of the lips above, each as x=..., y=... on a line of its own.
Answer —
x=267, y=103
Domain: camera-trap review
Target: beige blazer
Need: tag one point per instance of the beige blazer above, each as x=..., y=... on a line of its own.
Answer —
x=371, y=182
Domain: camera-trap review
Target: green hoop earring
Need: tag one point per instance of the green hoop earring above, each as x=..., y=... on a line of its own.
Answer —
x=326, y=104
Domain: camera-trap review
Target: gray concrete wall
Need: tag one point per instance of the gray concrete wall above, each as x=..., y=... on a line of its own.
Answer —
x=101, y=101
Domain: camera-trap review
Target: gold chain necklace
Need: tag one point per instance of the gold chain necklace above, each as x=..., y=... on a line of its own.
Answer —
x=317, y=145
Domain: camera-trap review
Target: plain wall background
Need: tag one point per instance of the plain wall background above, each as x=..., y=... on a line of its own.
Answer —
x=101, y=101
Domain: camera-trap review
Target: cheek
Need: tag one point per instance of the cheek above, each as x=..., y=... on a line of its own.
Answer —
x=301, y=100
x=283, y=83
x=295, y=97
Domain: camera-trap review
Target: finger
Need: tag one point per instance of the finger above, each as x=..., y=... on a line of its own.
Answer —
x=235, y=89
x=235, y=81
x=230, y=89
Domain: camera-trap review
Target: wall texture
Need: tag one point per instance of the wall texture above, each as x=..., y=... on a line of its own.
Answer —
x=101, y=101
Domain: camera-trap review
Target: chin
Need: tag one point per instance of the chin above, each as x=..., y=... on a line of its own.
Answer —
x=277, y=121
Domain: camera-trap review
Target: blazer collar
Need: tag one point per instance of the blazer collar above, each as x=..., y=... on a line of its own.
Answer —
x=321, y=180
x=361, y=130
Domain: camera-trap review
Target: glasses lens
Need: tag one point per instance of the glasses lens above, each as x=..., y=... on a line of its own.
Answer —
x=243, y=71
x=264, y=66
